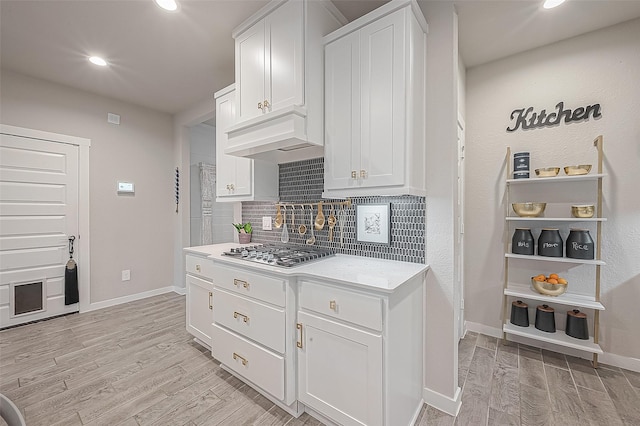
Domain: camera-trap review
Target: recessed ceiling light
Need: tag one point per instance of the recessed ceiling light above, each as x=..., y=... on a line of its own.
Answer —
x=97, y=60
x=550, y=4
x=169, y=5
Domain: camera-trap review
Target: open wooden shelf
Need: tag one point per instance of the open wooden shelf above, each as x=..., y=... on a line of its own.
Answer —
x=568, y=298
x=557, y=338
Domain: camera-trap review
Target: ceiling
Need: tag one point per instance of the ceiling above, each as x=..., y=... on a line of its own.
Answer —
x=171, y=61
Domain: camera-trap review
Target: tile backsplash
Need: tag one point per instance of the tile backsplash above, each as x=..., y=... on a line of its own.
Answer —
x=303, y=181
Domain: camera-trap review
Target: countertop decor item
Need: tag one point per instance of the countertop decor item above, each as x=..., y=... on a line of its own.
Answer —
x=373, y=223
x=529, y=209
x=577, y=325
x=545, y=318
x=244, y=232
x=548, y=171
x=583, y=211
x=581, y=169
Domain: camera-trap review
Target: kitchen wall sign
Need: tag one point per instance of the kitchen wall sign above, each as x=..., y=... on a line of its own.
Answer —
x=373, y=223
x=526, y=119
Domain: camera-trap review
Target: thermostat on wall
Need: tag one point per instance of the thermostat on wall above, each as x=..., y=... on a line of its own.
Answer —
x=125, y=188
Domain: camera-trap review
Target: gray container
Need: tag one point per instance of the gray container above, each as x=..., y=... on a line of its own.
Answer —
x=550, y=243
x=522, y=241
x=521, y=162
x=579, y=244
x=521, y=175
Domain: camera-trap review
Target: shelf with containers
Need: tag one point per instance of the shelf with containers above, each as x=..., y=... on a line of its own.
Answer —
x=518, y=287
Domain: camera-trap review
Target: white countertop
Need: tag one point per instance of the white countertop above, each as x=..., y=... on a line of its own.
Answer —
x=374, y=274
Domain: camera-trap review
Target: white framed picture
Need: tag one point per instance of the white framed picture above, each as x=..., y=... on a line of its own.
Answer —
x=373, y=223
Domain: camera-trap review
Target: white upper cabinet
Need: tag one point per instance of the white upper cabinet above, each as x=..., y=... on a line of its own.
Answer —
x=279, y=81
x=374, y=104
x=269, y=63
x=237, y=178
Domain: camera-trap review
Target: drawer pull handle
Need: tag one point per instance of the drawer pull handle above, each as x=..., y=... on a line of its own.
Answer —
x=354, y=175
x=244, y=360
x=239, y=283
x=260, y=105
x=210, y=302
x=363, y=174
x=266, y=104
x=333, y=305
x=299, y=342
x=244, y=317
x=198, y=268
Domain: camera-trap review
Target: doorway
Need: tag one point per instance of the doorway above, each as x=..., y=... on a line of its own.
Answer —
x=41, y=206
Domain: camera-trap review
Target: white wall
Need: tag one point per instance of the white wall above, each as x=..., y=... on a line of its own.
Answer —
x=599, y=67
x=441, y=344
x=127, y=232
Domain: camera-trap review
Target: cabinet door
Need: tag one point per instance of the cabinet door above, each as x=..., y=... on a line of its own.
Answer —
x=233, y=174
x=199, y=308
x=382, y=54
x=250, y=72
x=342, y=112
x=340, y=371
x=284, y=59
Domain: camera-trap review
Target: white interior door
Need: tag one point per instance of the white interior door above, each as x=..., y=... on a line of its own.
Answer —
x=38, y=212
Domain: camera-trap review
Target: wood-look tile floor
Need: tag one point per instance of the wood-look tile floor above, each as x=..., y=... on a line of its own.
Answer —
x=135, y=364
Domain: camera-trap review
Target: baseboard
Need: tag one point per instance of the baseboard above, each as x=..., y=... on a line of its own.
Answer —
x=627, y=363
x=129, y=298
x=443, y=403
x=179, y=290
x=414, y=419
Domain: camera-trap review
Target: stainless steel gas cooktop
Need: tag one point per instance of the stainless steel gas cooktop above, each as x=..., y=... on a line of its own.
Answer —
x=279, y=255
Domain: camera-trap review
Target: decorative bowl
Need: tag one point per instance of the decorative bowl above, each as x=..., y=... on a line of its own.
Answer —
x=581, y=169
x=548, y=171
x=583, y=211
x=548, y=289
x=528, y=209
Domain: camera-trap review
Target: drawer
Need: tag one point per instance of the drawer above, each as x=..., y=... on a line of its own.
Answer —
x=267, y=289
x=250, y=318
x=201, y=266
x=256, y=364
x=342, y=304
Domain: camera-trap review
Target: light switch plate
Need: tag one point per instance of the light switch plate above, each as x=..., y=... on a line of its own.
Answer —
x=126, y=187
x=266, y=223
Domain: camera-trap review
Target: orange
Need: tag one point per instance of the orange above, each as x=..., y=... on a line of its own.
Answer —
x=562, y=281
x=553, y=276
x=552, y=281
x=540, y=278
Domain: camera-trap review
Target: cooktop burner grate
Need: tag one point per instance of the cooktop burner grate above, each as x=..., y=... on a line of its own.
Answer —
x=279, y=255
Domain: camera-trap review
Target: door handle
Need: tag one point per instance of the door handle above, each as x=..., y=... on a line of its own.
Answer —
x=299, y=342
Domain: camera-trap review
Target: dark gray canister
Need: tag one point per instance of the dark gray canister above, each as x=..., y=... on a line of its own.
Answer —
x=550, y=243
x=545, y=318
x=520, y=314
x=521, y=162
x=522, y=241
x=579, y=244
x=577, y=325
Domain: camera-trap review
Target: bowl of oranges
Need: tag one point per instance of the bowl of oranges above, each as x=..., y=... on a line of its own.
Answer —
x=551, y=285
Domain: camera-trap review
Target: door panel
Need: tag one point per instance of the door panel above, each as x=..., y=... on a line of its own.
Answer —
x=250, y=70
x=284, y=63
x=383, y=105
x=38, y=211
x=340, y=371
x=342, y=112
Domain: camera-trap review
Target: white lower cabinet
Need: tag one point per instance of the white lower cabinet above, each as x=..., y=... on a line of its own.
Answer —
x=360, y=352
x=340, y=371
x=199, y=310
x=257, y=364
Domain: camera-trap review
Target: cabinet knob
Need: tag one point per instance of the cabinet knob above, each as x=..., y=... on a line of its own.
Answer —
x=260, y=105
x=354, y=174
x=332, y=305
x=266, y=104
x=198, y=268
x=363, y=174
